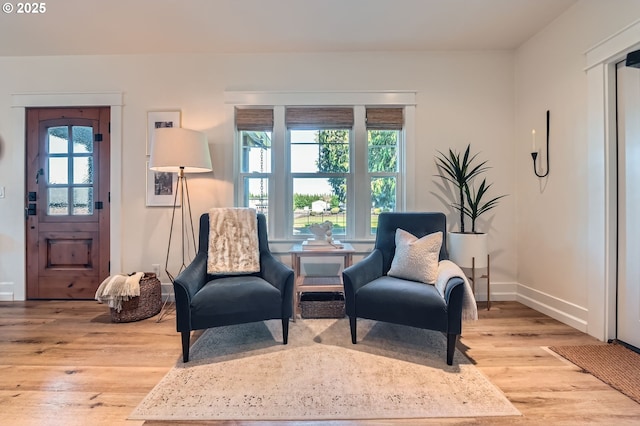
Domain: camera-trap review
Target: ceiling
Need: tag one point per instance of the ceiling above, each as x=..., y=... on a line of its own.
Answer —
x=82, y=27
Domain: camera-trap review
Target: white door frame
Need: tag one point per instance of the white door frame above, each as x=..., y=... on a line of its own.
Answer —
x=601, y=180
x=19, y=103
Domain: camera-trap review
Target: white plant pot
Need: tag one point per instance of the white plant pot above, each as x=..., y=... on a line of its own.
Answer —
x=464, y=248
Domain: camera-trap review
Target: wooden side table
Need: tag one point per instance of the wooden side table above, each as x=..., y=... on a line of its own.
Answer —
x=317, y=284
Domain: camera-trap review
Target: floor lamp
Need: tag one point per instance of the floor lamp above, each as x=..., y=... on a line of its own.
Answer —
x=178, y=150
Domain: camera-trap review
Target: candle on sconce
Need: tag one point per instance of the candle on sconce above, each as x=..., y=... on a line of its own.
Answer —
x=535, y=153
x=533, y=140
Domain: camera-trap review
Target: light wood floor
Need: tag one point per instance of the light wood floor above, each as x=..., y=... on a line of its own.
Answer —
x=65, y=363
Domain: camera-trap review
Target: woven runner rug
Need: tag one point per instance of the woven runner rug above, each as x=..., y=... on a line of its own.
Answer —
x=614, y=364
x=244, y=372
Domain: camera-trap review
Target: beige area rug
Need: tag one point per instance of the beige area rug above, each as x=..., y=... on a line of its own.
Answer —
x=614, y=364
x=245, y=373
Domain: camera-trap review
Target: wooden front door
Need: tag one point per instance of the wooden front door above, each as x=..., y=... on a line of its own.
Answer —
x=67, y=202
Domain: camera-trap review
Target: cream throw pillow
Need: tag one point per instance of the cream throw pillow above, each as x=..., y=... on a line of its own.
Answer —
x=416, y=259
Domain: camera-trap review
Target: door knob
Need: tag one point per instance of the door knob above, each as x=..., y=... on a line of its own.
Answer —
x=29, y=211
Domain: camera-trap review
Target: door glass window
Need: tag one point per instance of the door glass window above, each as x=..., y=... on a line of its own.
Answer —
x=82, y=201
x=69, y=174
x=82, y=139
x=58, y=140
x=58, y=170
x=58, y=201
x=83, y=170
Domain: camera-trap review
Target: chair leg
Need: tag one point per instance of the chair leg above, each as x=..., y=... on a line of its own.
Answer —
x=352, y=324
x=451, y=347
x=186, y=336
x=285, y=330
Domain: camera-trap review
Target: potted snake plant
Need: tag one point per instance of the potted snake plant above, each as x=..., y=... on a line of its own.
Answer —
x=467, y=248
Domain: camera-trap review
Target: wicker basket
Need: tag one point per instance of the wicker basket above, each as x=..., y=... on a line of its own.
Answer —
x=322, y=305
x=145, y=306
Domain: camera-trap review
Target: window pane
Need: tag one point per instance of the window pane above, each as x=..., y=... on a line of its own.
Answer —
x=82, y=139
x=256, y=151
x=317, y=200
x=256, y=192
x=82, y=201
x=304, y=157
x=58, y=201
x=83, y=170
x=383, y=150
x=324, y=151
x=58, y=170
x=383, y=194
x=383, y=198
x=58, y=140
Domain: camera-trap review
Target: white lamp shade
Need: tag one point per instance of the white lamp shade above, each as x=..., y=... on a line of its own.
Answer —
x=175, y=148
x=464, y=249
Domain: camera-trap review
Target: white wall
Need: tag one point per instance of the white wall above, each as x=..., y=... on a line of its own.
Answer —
x=538, y=234
x=462, y=97
x=552, y=216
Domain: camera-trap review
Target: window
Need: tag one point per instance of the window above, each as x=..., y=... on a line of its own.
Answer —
x=319, y=156
x=384, y=127
x=254, y=128
x=70, y=171
x=302, y=165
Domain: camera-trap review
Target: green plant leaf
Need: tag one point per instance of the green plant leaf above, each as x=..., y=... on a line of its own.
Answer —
x=460, y=170
x=475, y=205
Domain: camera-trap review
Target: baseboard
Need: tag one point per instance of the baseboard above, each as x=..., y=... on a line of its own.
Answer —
x=500, y=291
x=167, y=292
x=561, y=310
x=6, y=292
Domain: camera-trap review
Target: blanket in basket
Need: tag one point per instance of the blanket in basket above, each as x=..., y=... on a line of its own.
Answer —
x=119, y=288
x=233, y=241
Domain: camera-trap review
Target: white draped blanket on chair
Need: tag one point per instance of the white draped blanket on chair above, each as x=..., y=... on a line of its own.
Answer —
x=233, y=241
x=447, y=270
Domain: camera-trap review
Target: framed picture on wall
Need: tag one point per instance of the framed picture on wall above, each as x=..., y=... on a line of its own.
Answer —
x=158, y=119
x=161, y=188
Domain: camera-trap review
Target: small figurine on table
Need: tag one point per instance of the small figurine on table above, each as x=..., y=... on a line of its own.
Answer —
x=323, y=232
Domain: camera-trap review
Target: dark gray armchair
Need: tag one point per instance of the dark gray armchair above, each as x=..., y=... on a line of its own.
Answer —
x=371, y=294
x=206, y=301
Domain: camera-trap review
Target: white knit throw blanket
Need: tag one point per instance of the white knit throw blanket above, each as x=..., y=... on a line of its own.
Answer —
x=119, y=288
x=233, y=241
x=447, y=270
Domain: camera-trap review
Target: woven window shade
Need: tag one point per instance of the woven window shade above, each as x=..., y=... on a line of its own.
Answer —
x=319, y=118
x=254, y=119
x=385, y=118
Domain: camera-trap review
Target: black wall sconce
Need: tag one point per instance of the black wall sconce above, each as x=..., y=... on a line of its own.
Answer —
x=534, y=153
